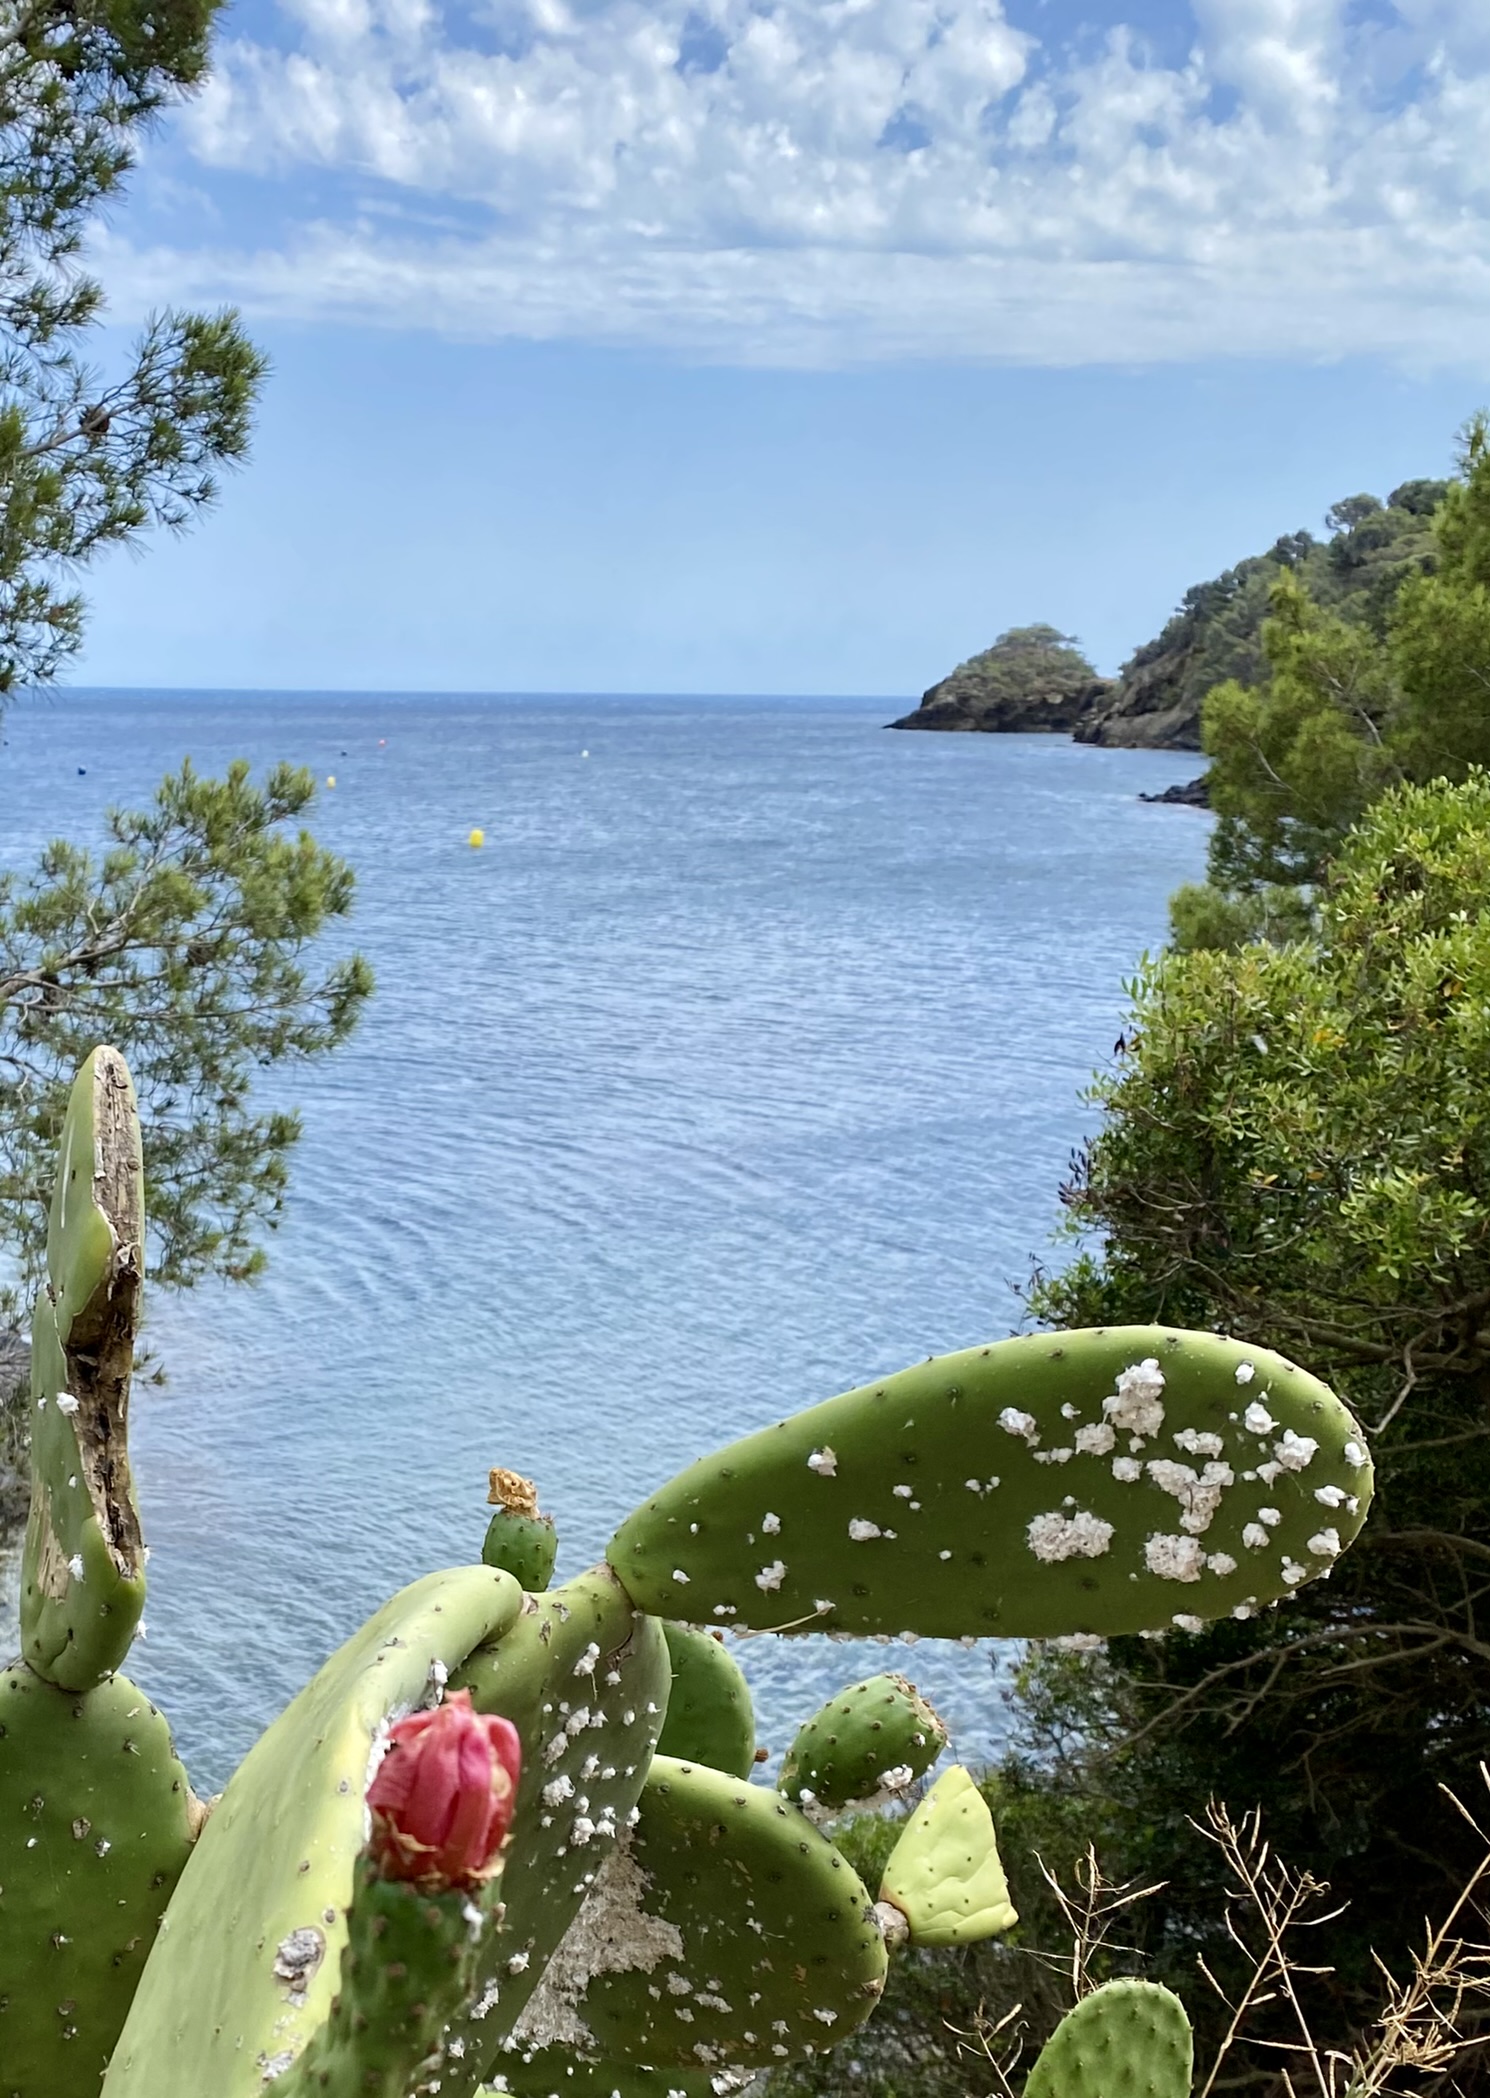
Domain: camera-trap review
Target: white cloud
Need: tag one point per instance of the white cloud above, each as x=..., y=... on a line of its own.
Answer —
x=843, y=179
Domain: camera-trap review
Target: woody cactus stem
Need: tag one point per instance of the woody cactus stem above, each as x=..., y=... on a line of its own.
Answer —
x=424, y=1896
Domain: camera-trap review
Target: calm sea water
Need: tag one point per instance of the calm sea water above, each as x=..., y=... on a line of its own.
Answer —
x=739, y=1067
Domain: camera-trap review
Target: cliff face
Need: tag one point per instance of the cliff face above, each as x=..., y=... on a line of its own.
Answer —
x=1035, y=678
x=1032, y=679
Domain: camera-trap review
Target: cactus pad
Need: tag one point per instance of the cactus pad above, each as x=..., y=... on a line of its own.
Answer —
x=245, y=1967
x=1128, y=2039
x=945, y=1875
x=557, y=2074
x=710, y=1718
x=96, y=1823
x=1113, y=1480
x=83, y=1566
x=868, y=1744
x=584, y=1680
x=726, y=1933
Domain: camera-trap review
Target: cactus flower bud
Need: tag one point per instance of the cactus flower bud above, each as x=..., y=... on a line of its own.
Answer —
x=442, y=1798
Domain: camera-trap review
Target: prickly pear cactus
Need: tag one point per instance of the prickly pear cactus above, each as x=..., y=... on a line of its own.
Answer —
x=407, y=1968
x=866, y=1746
x=728, y=1933
x=245, y=1966
x=710, y=1718
x=83, y=1565
x=584, y=1679
x=96, y=1815
x=945, y=1876
x=96, y=1823
x=1128, y=2039
x=1115, y=1480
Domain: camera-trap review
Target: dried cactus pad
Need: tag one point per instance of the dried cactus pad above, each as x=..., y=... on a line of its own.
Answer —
x=1128, y=2039
x=871, y=1742
x=1117, y=1479
x=83, y=1565
x=710, y=1718
x=945, y=1875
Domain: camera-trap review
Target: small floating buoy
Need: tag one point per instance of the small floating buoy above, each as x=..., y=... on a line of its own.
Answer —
x=331, y=779
x=82, y=772
x=382, y=742
x=584, y=753
x=477, y=837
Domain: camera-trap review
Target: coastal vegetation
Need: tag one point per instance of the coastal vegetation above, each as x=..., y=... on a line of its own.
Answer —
x=1292, y=1149
x=1036, y=678
x=184, y=936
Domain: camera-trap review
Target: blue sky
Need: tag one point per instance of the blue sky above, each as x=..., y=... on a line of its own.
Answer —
x=793, y=345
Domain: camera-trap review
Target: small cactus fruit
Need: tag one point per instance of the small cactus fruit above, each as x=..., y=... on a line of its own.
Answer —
x=1128, y=2039
x=96, y=1824
x=868, y=1745
x=244, y=1970
x=725, y=1933
x=406, y=1968
x=584, y=1680
x=945, y=1876
x=83, y=1562
x=710, y=1718
x=441, y=1800
x=519, y=1539
x=1121, y=1479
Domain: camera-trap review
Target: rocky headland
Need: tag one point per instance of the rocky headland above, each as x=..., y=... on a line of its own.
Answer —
x=1035, y=678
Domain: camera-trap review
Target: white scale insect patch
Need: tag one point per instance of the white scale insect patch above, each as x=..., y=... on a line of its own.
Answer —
x=1013, y=1422
x=1096, y=1440
x=770, y=1577
x=824, y=1463
x=1257, y=1420
x=1054, y=1537
x=1138, y=1404
x=1174, y=1558
x=860, y=1531
x=612, y=1934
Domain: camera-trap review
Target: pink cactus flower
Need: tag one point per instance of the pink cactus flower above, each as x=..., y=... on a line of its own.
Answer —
x=442, y=1799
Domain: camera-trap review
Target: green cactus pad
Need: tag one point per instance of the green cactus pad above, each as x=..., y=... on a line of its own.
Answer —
x=1113, y=1480
x=83, y=1564
x=557, y=2074
x=871, y=1742
x=407, y=1967
x=96, y=1823
x=710, y=1718
x=945, y=1875
x=1128, y=2039
x=244, y=1969
x=727, y=1933
x=584, y=1679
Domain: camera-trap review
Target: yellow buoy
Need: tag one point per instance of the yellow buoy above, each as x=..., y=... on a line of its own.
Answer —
x=477, y=837
x=331, y=779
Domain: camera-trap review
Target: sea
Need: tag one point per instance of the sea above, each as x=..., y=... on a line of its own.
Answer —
x=741, y=1063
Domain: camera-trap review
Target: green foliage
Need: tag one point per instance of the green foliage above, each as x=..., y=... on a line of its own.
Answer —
x=183, y=943
x=1296, y=1148
x=1217, y=635
x=1347, y=703
x=1023, y=659
x=87, y=463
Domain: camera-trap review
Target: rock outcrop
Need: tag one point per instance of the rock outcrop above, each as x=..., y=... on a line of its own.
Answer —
x=1033, y=679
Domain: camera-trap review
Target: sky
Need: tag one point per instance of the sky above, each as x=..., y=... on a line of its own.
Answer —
x=791, y=346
